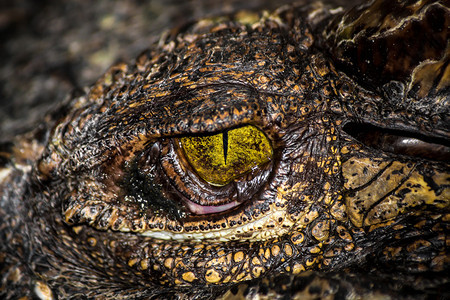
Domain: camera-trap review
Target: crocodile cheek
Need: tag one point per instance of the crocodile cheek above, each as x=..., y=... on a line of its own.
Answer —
x=190, y=262
x=380, y=190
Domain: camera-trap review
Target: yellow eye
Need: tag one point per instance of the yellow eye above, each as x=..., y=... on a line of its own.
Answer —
x=220, y=158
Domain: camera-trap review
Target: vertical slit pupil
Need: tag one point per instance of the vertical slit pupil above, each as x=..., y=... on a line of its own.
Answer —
x=225, y=144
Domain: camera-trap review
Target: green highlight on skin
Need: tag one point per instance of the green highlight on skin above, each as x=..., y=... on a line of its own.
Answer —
x=219, y=159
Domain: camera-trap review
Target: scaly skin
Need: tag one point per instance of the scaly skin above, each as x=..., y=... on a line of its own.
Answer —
x=102, y=201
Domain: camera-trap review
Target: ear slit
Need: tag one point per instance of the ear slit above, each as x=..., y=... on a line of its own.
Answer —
x=401, y=142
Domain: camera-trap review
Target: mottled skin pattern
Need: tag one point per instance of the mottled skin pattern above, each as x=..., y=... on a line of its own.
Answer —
x=93, y=202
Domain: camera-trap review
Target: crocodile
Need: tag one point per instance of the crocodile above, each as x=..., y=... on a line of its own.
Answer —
x=249, y=155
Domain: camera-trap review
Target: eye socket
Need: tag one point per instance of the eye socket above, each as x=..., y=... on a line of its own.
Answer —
x=220, y=158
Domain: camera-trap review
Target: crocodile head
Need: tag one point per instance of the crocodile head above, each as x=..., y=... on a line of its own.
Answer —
x=238, y=149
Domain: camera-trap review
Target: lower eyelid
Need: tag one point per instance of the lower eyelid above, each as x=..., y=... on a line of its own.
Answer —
x=204, y=209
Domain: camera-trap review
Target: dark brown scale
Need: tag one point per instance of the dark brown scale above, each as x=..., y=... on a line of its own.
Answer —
x=377, y=52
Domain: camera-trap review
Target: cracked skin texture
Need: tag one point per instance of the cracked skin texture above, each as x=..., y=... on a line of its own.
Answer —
x=103, y=200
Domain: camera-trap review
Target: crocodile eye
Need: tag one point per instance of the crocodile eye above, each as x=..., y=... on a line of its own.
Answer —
x=220, y=158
